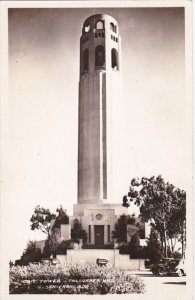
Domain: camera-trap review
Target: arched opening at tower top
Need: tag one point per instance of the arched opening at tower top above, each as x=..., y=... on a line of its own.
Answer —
x=86, y=60
x=87, y=28
x=113, y=27
x=99, y=25
x=100, y=57
x=114, y=59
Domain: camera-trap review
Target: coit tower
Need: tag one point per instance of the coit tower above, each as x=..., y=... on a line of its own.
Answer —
x=100, y=148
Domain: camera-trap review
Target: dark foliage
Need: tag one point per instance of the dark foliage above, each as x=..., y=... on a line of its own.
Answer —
x=34, y=256
x=41, y=219
x=163, y=205
x=154, y=249
x=120, y=228
x=62, y=217
x=77, y=232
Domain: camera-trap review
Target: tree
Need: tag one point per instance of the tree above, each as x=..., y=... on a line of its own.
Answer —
x=134, y=246
x=63, y=246
x=41, y=219
x=48, y=223
x=77, y=232
x=30, y=254
x=162, y=204
x=51, y=245
x=120, y=227
x=62, y=217
x=153, y=249
x=177, y=224
x=31, y=246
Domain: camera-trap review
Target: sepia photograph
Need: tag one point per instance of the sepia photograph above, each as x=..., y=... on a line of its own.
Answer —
x=97, y=149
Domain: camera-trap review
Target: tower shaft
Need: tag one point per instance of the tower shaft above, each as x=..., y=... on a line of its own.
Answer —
x=99, y=94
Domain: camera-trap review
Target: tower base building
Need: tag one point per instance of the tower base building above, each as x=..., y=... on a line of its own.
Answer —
x=98, y=221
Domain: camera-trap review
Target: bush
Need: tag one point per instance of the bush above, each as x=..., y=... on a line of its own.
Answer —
x=72, y=279
x=77, y=232
x=176, y=254
x=63, y=246
x=138, y=253
x=33, y=256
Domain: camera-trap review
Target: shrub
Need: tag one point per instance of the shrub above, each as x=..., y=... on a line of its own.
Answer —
x=33, y=256
x=77, y=232
x=176, y=254
x=72, y=279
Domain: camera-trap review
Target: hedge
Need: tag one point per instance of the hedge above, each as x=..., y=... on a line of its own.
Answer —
x=72, y=279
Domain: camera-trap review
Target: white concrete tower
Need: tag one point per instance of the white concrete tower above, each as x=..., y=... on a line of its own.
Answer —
x=100, y=111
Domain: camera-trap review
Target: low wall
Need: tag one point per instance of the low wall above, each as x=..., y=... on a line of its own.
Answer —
x=137, y=264
x=90, y=256
x=62, y=258
x=125, y=263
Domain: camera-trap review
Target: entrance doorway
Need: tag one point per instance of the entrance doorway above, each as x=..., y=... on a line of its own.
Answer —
x=99, y=234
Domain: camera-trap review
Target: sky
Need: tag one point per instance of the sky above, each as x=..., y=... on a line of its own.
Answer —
x=41, y=164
